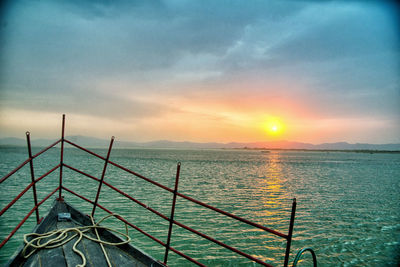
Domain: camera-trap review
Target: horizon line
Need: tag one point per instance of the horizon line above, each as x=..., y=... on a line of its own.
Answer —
x=207, y=142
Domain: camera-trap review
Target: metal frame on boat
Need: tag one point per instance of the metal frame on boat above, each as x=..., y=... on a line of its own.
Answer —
x=175, y=194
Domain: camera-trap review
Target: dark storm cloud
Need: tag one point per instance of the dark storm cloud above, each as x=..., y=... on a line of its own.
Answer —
x=156, y=33
x=80, y=40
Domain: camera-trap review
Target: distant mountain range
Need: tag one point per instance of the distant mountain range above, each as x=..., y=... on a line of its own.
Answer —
x=102, y=143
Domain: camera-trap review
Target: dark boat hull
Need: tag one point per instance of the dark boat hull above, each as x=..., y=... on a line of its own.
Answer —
x=121, y=255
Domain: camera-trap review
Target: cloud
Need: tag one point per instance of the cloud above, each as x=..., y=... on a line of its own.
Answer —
x=333, y=32
x=143, y=59
x=107, y=105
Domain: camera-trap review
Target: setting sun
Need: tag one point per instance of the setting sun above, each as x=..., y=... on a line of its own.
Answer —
x=274, y=127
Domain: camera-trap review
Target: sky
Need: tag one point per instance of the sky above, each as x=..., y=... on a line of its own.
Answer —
x=202, y=71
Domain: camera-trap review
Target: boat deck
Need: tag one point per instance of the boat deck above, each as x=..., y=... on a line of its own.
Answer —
x=121, y=255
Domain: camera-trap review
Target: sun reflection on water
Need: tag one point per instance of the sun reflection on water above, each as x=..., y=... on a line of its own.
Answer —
x=271, y=186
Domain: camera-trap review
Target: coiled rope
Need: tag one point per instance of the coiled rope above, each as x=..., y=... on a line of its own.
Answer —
x=61, y=237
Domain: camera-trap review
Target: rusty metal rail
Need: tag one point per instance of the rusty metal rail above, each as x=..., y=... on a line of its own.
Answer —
x=28, y=160
x=26, y=217
x=170, y=219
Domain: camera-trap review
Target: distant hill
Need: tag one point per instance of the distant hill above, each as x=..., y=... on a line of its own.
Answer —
x=103, y=143
x=12, y=141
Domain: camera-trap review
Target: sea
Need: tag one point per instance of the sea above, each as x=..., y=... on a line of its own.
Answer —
x=348, y=203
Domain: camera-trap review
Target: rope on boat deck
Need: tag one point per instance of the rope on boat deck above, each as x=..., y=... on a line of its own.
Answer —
x=61, y=238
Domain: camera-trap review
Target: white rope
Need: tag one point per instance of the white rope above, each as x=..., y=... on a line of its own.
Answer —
x=61, y=238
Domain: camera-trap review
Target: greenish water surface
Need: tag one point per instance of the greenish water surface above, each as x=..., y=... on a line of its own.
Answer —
x=348, y=203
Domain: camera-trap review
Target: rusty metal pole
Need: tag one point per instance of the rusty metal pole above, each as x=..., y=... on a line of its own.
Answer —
x=171, y=219
x=60, y=198
x=102, y=175
x=290, y=234
x=28, y=141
